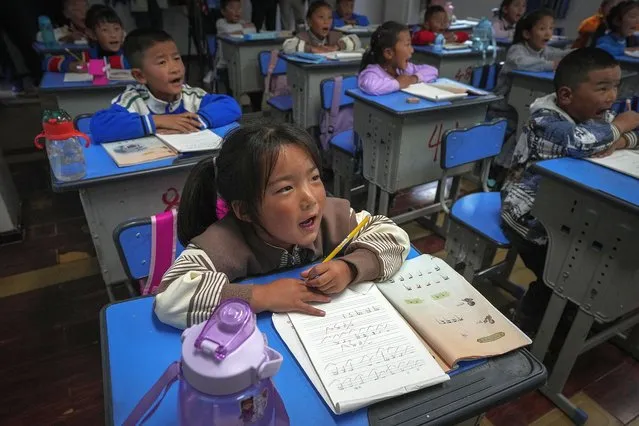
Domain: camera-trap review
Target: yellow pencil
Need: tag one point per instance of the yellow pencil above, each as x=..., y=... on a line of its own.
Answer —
x=346, y=240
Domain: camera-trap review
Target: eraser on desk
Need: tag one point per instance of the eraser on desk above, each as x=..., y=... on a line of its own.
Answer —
x=412, y=100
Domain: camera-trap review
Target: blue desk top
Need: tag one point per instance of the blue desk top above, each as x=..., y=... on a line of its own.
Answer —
x=453, y=53
x=625, y=59
x=326, y=64
x=550, y=75
x=41, y=49
x=613, y=185
x=101, y=167
x=396, y=102
x=54, y=82
x=251, y=42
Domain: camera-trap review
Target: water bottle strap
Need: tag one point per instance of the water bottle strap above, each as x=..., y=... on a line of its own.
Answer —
x=150, y=401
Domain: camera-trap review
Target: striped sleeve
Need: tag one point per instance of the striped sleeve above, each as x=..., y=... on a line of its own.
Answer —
x=378, y=250
x=295, y=44
x=192, y=288
x=350, y=42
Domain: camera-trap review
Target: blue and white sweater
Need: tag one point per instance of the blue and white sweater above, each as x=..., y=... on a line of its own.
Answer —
x=550, y=133
x=131, y=114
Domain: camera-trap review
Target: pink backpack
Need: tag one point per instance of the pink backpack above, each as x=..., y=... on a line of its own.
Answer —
x=338, y=118
x=274, y=85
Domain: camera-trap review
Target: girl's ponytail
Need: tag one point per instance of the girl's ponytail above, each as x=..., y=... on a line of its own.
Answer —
x=368, y=58
x=384, y=37
x=198, y=204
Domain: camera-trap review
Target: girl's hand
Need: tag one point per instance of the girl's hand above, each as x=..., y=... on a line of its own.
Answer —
x=287, y=295
x=406, y=80
x=450, y=37
x=330, y=277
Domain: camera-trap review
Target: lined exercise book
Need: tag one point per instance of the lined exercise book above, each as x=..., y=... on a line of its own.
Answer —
x=364, y=350
x=205, y=140
x=625, y=161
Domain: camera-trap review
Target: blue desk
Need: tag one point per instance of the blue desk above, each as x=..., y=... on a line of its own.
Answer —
x=455, y=64
x=528, y=86
x=137, y=348
x=111, y=194
x=60, y=48
x=242, y=58
x=401, y=142
x=304, y=80
x=80, y=97
x=591, y=214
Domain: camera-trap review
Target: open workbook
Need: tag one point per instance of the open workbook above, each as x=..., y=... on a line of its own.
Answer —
x=157, y=147
x=625, y=161
x=382, y=340
x=443, y=89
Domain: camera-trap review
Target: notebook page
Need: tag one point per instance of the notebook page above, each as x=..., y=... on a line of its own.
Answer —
x=363, y=352
x=452, y=316
x=119, y=75
x=205, y=140
x=137, y=151
x=77, y=77
x=431, y=92
x=625, y=161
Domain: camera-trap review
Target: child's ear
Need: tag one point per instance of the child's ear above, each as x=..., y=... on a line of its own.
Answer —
x=526, y=34
x=240, y=211
x=388, y=54
x=564, y=96
x=138, y=75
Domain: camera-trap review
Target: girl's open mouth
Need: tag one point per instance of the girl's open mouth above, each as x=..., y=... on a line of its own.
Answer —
x=308, y=223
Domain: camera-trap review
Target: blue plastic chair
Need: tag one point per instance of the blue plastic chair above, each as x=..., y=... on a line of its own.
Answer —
x=485, y=77
x=343, y=145
x=132, y=240
x=475, y=231
x=283, y=104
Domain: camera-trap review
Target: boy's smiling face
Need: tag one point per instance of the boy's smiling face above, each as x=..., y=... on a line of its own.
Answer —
x=162, y=71
x=590, y=99
x=109, y=36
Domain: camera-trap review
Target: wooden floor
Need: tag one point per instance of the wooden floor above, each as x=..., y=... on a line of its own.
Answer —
x=51, y=295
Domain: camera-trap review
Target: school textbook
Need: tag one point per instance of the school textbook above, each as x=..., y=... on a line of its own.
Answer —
x=625, y=161
x=157, y=147
x=442, y=89
x=378, y=341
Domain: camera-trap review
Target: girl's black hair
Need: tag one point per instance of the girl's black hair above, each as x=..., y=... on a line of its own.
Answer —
x=504, y=4
x=314, y=6
x=431, y=10
x=239, y=174
x=612, y=22
x=384, y=37
x=528, y=21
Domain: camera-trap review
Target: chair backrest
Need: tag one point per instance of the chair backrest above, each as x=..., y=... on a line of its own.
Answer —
x=485, y=77
x=82, y=122
x=140, y=254
x=327, y=88
x=479, y=142
x=264, y=60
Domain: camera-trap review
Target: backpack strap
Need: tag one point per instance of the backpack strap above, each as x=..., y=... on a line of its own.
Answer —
x=150, y=402
x=269, y=71
x=334, y=111
x=163, y=242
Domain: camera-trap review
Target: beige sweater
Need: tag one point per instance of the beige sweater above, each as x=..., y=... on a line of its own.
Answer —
x=303, y=41
x=229, y=250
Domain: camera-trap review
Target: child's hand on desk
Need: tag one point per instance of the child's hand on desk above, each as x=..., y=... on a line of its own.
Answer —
x=406, y=80
x=78, y=67
x=286, y=295
x=450, y=37
x=626, y=121
x=330, y=277
x=187, y=122
x=323, y=49
x=621, y=143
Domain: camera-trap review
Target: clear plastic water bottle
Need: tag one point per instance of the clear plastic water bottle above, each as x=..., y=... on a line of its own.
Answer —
x=46, y=30
x=438, y=46
x=63, y=144
x=483, y=38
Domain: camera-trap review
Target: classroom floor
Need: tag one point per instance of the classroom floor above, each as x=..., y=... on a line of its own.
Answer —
x=51, y=294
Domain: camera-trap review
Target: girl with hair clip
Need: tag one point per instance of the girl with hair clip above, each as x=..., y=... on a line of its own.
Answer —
x=320, y=38
x=622, y=22
x=278, y=217
x=506, y=18
x=386, y=65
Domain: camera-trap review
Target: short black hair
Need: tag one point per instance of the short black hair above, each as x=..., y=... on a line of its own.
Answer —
x=433, y=10
x=315, y=6
x=138, y=41
x=528, y=21
x=100, y=14
x=340, y=1
x=573, y=69
x=225, y=3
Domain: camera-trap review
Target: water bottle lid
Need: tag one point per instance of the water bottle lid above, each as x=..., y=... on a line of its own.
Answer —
x=229, y=326
x=57, y=125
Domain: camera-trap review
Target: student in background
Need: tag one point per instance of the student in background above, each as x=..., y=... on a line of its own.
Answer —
x=622, y=22
x=529, y=52
x=386, y=65
x=264, y=12
x=344, y=15
x=589, y=26
x=320, y=38
x=75, y=11
x=575, y=121
x=230, y=23
x=105, y=41
x=292, y=13
x=161, y=102
x=509, y=13
x=436, y=21
x=278, y=216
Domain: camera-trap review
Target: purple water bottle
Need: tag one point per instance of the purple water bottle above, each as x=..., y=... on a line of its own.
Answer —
x=224, y=375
